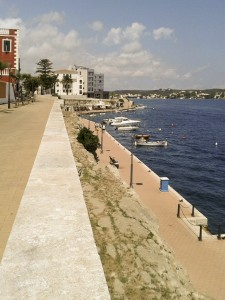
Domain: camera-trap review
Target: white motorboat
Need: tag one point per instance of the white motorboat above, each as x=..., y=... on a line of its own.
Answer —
x=140, y=106
x=126, y=128
x=123, y=121
x=153, y=143
x=142, y=140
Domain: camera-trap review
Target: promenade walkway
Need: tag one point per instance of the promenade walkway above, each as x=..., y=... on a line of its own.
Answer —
x=204, y=260
x=21, y=131
x=50, y=252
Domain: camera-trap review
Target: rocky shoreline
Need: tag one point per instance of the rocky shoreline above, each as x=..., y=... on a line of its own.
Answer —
x=137, y=262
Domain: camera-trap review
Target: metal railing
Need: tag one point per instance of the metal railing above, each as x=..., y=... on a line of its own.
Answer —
x=180, y=210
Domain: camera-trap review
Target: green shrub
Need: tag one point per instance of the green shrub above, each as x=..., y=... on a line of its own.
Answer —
x=88, y=140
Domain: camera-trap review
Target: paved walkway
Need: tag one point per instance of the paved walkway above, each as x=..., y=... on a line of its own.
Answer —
x=203, y=260
x=51, y=252
x=21, y=131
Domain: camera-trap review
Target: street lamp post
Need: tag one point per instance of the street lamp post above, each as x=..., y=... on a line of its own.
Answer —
x=131, y=163
x=9, y=80
x=102, y=136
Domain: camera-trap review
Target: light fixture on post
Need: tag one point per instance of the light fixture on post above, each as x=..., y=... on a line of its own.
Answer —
x=9, y=81
x=131, y=162
x=103, y=128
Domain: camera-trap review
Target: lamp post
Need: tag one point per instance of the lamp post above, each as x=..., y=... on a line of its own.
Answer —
x=131, y=163
x=9, y=80
x=102, y=136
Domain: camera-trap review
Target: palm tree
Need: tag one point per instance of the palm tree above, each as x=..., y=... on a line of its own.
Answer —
x=67, y=81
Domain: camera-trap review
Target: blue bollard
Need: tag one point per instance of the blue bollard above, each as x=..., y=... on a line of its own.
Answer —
x=164, y=182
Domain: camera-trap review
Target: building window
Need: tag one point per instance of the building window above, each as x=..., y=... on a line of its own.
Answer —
x=6, y=45
x=80, y=92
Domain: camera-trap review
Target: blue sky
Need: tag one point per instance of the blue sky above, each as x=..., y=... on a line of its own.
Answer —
x=143, y=44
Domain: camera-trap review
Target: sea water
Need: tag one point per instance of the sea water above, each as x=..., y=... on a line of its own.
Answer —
x=194, y=160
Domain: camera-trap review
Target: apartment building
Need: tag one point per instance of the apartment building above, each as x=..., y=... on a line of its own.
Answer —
x=75, y=87
x=98, y=82
x=92, y=82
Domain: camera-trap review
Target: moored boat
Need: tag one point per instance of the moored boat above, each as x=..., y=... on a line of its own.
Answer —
x=123, y=121
x=142, y=140
x=151, y=143
x=126, y=128
x=142, y=136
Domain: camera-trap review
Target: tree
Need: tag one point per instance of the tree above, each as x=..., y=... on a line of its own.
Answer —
x=3, y=66
x=30, y=83
x=67, y=81
x=46, y=75
x=89, y=140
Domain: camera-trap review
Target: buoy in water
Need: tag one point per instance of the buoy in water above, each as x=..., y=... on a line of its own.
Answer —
x=216, y=144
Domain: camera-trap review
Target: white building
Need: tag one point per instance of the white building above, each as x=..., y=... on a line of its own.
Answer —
x=92, y=82
x=75, y=88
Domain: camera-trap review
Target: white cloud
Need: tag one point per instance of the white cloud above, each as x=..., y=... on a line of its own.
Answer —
x=163, y=33
x=52, y=17
x=97, y=26
x=132, y=47
x=129, y=63
x=137, y=64
x=11, y=23
x=114, y=36
x=134, y=32
x=192, y=73
x=187, y=75
x=118, y=35
x=45, y=40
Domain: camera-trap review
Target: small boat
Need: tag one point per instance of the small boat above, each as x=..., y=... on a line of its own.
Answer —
x=142, y=140
x=127, y=128
x=107, y=121
x=123, y=121
x=142, y=136
x=153, y=143
x=140, y=106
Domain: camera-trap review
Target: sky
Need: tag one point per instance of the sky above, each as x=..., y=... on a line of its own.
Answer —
x=136, y=44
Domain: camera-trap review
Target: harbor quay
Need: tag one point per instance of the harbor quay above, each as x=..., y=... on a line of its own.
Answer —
x=50, y=251
x=199, y=252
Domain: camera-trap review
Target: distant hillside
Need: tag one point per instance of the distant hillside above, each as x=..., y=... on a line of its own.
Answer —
x=174, y=93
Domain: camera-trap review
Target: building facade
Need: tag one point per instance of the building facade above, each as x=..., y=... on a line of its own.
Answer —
x=9, y=56
x=92, y=82
x=98, y=82
x=9, y=51
x=75, y=87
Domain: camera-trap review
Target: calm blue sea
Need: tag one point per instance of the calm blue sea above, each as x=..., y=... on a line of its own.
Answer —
x=193, y=162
